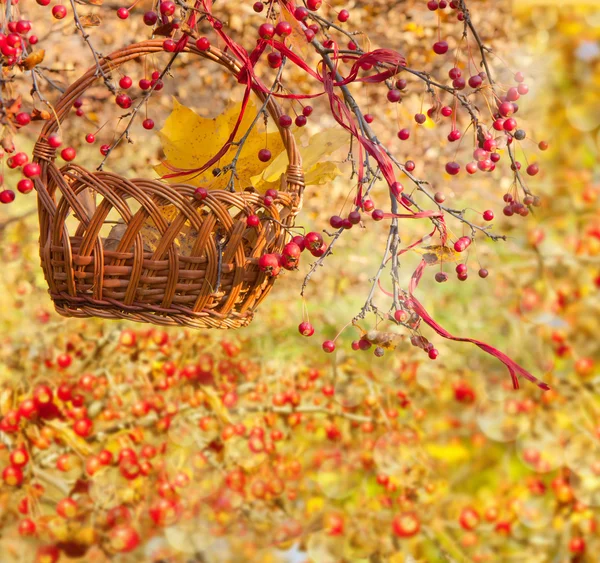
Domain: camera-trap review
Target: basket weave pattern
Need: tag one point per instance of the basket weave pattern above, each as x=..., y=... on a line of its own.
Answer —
x=214, y=284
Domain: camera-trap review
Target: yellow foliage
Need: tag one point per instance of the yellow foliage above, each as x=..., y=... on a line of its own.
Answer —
x=189, y=141
x=449, y=453
x=317, y=170
x=437, y=254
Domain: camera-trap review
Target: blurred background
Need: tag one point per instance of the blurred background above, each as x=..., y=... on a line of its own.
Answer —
x=265, y=448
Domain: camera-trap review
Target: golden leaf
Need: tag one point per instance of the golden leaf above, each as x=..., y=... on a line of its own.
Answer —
x=437, y=254
x=90, y=20
x=189, y=141
x=317, y=170
x=33, y=60
x=217, y=404
x=40, y=115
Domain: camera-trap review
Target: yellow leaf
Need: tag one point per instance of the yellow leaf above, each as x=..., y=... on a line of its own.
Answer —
x=450, y=453
x=436, y=254
x=323, y=173
x=217, y=405
x=189, y=141
x=33, y=60
x=314, y=505
x=317, y=170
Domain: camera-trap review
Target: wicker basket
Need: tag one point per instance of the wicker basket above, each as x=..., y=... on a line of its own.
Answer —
x=216, y=284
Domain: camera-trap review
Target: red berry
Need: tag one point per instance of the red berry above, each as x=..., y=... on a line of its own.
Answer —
x=406, y=525
x=167, y=8
x=440, y=48
x=283, y=29
x=329, y=346
x=403, y=134
x=577, y=545
x=377, y=215
x=123, y=13
x=169, y=46
x=336, y=221
x=313, y=241
x=200, y=193
x=253, y=221
x=203, y=44
x=533, y=169
x=264, y=155
x=274, y=59
x=453, y=168
x=148, y=124
x=25, y=186
x=150, y=18
x=462, y=244
x=433, y=354
x=23, y=118
x=506, y=109
x=306, y=329
x=59, y=12
x=54, y=141
x=483, y=273
x=32, y=170
x=12, y=476
x=301, y=120
x=454, y=73
x=469, y=518
x=266, y=31
x=258, y=7
x=83, y=427
x=475, y=81
x=488, y=215
x=285, y=121
x=301, y=13
x=343, y=15
x=313, y=5
x=68, y=154
x=123, y=100
x=269, y=263
x=394, y=95
x=90, y=138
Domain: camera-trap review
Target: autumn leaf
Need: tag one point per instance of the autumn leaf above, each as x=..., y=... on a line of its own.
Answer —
x=437, y=254
x=40, y=115
x=33, y=60
x=317, y=169
x=189, y=141
x=90, y=20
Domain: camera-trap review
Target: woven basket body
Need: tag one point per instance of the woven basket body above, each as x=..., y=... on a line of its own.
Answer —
x=215, y=282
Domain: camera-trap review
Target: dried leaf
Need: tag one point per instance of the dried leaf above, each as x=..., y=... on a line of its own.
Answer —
x=437, y=254
x=33, y=60
x=12, y=106
x=90, y=20
x=40, y=115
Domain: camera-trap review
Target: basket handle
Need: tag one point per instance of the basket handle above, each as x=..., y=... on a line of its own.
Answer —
x=294, y=180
